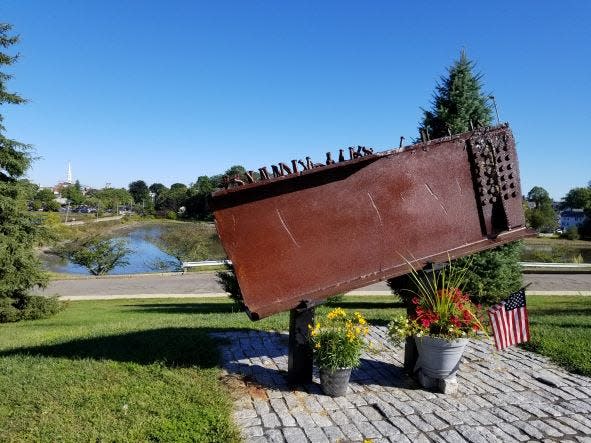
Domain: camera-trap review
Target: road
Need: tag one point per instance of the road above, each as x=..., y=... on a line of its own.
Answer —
x=204, y=284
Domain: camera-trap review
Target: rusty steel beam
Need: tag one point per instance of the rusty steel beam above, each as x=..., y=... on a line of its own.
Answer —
x=310, y=231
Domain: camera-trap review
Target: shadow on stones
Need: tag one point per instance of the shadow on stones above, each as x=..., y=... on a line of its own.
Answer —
x=255, y=358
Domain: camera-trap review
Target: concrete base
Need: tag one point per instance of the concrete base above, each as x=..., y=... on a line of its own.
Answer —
x=448, y=386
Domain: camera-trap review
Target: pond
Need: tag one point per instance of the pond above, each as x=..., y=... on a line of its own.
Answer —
x=145, y=256
x=559, y=253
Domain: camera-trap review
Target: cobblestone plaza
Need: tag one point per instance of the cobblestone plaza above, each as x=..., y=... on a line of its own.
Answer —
x=513, y=395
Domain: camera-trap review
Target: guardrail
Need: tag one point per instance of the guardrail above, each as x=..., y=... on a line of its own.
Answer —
x=205, y=264
x=526, y=266
x=555, y=267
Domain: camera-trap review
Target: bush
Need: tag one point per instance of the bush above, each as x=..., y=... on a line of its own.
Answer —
x=335, y=299
x=31, y=307
x=171, y=215
x=492, y=275
x=571, y=233
x=229, y=282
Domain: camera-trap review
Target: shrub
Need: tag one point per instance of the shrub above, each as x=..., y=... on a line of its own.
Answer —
x=571, y=233
x=494, y=274
x=229, y=282
x=30, y=307
x=335, y=299
x=171, y=215
x=491, y=276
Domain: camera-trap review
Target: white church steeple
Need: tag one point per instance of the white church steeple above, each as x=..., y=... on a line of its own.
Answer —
x=69, y=174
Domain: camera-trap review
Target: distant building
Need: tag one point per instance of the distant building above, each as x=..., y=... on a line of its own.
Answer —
x=572, y=217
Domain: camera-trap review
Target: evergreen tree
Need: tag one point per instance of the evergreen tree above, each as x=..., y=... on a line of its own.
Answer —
x=458, y=104
x=19, y=232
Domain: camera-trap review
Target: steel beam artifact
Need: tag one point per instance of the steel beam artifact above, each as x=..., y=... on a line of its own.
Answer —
x=313, y=230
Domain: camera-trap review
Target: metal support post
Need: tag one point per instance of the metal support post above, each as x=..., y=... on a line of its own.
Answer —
x=300, y=357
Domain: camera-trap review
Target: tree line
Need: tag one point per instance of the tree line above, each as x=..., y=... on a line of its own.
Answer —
x=543, y=215
x=178, y=200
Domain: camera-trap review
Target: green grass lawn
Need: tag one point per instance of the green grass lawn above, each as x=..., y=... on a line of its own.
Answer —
x=561, y=329
x=125, y=370
x=146, y=370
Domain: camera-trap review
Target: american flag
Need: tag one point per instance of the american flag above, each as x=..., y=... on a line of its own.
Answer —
x=509, y=320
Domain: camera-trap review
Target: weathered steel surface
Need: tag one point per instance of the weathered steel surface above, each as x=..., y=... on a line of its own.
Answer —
x=303, y=236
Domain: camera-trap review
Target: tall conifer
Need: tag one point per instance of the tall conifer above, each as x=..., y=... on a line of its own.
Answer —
x=458, y=105
x=19, y=232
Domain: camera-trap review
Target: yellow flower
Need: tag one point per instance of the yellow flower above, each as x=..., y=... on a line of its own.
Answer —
x=317, y=346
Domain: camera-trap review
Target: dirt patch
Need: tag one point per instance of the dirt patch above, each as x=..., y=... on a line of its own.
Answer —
x=241, y=385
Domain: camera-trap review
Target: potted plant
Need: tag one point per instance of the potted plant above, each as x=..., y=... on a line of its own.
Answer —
x=338, y=339
x=441, y=318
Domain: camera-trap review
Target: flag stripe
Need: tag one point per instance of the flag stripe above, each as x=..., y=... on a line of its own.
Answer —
x=509, y=321
x=516, y=326
x=495, y=328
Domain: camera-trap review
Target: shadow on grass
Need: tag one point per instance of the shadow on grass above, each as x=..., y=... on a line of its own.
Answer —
x=560, y=324
x=185, y=308
x=174, y=347
x=583, y=312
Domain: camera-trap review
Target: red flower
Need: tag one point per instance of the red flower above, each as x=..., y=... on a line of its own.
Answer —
x=415, y=300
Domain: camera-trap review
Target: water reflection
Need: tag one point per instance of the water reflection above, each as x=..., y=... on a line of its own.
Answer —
x=144, y=256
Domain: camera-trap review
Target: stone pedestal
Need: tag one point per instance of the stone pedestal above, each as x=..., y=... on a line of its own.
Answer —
x=448, y=386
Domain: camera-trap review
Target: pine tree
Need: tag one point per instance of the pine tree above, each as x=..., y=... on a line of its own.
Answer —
x=19, y=232
x=458, y=105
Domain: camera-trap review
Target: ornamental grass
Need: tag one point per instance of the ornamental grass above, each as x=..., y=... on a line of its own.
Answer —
x=438, y=308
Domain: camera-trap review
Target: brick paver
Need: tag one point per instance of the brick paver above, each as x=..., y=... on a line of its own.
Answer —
x=514, y=395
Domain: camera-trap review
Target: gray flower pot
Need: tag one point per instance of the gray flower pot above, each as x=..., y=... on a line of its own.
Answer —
x=439, y=358
x=335, y=382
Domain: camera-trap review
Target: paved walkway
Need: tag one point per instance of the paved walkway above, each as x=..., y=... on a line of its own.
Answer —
x=510, y=396
x=193, y=284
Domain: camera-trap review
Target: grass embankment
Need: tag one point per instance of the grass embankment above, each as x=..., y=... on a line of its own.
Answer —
x=146, y=370
x=558, y=250
x=554, y=241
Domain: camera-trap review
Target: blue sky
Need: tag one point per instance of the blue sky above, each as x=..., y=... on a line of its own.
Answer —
x=168, y=91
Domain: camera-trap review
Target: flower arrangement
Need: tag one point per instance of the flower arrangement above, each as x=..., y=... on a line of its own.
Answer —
x=338, y=339
x=439, y=308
